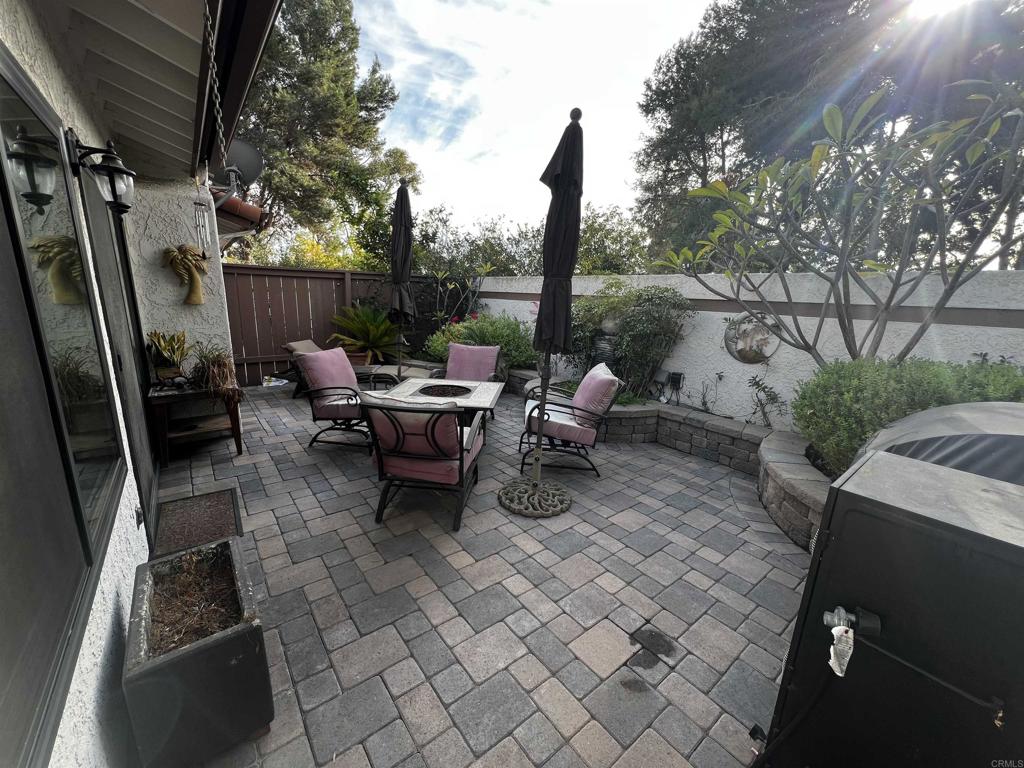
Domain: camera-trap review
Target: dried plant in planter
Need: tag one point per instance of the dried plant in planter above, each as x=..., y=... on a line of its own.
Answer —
x=58, y=254
x=214, y=371
x=188, y=262
x=192, y=599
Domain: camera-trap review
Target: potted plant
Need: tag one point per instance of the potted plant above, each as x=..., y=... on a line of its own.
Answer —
x=168, y=352
x=196, y=679
x=214, y=371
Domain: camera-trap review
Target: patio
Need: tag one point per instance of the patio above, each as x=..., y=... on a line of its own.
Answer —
x=646, y=627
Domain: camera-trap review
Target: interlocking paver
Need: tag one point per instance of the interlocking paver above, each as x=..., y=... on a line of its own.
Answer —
x=625, y=704
x=650, y=749
x=662, y=539
x=489, y=713
x=490, y=651
x=538, y=738
x=348, y=719
x=594, y=744
x=424, y=714
x=604, y=648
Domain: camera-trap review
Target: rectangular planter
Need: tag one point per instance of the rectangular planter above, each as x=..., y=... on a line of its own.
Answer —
x=194, y=702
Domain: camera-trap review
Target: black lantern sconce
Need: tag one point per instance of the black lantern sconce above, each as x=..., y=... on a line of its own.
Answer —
x=34, y=174
x=116, y=183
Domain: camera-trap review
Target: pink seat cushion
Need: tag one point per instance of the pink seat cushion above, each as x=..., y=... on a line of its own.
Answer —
x=442, y=471
x=329, y=368
x=468, y=363
x=560, y=425
x=337, y=408
x=595, y=393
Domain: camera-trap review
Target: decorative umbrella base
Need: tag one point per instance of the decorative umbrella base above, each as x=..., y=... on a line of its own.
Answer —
x=549, y=499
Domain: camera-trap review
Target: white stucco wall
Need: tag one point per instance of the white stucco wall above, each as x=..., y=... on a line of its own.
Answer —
x=701, y=354
x=163, y=217
x=93, y=729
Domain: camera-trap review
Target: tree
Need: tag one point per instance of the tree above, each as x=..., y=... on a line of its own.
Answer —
x=751, y=82
x=611, y=243
x=317, y=125
x=871, y=198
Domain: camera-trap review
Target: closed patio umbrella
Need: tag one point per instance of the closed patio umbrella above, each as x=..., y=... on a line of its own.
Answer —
x=403, y=308
x=553, y=332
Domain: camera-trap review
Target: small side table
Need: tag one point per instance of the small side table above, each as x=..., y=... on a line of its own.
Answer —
x=187, y=428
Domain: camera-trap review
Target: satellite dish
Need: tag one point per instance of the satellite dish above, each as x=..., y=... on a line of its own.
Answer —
x=245, y=159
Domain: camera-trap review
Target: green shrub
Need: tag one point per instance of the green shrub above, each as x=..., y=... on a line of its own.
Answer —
x=625, y=397
x=650, y=323
x=847, y=402
x=513, y=336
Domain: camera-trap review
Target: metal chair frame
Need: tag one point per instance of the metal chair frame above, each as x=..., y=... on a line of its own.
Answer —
x=559, y=445
x=468, y=473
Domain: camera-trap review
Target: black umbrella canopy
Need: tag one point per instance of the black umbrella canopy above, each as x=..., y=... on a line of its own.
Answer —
x=564, y=176
x=402, y=305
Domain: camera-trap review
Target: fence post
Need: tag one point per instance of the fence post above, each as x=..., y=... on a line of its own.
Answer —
x=348, y=289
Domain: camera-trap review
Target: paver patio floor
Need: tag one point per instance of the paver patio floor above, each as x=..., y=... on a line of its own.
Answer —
x=646, y=627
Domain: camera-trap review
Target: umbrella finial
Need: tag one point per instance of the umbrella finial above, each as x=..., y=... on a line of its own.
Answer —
x=576, y=114
x=403, y=181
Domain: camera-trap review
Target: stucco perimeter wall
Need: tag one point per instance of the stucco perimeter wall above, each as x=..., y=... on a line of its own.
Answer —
x=163, y=216
x=992, y=297
x=93, y=728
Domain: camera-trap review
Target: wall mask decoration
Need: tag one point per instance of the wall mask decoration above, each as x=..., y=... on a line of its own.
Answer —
x=188, y=262
x=59, y=256
x=749, y=339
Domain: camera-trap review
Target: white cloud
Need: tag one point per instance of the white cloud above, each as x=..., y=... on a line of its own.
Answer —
x=487, y=85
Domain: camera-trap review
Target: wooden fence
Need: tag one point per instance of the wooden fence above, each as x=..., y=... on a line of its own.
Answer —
x=271, y=306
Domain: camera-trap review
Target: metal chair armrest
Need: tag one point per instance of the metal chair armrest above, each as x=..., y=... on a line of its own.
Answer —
x=573, y=410
x=438, y=373
x=328, y=391
x=473, y=431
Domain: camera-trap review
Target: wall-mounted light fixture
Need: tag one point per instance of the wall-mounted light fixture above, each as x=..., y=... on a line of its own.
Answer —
x=33, y=173
x=116, y=183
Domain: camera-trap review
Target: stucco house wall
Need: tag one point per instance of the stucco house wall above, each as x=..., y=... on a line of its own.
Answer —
x=93, y=729
x=701, y=355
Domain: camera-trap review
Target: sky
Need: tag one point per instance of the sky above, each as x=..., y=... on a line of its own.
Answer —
x=486, y=87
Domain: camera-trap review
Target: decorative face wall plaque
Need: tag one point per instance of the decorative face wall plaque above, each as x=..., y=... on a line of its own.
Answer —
x=748, y=339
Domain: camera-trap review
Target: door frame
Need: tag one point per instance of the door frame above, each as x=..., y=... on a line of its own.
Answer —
x=50, y=705
x=149, y=503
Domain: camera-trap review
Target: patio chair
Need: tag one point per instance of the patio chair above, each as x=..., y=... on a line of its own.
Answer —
x=297, y=349
x=423, y=446
x=572, y=421
x=333, y=392
x=471, y=363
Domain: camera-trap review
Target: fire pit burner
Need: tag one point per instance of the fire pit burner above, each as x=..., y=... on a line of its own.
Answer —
x=444, y=390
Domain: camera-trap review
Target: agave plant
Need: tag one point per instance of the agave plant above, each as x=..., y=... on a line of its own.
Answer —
x=365, y=329
x=58, y=255
x=187, y=262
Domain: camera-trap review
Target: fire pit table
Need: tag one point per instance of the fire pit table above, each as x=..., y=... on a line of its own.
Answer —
x=472, y=396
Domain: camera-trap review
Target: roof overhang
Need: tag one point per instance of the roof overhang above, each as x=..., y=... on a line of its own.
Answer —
x=146, y=65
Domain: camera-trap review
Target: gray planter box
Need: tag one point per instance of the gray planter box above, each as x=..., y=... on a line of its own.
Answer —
x=192, y=703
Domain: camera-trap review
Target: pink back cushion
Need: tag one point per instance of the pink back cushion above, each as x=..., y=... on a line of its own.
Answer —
x=596, y=391
x=469, y=363
x=423, y=434
x=329, y=368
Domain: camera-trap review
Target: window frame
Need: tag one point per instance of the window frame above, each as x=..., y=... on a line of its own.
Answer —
x=53, y=692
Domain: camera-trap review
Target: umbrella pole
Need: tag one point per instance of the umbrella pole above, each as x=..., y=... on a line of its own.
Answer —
x=531, y=497
x=538, y=449
x=398, y=344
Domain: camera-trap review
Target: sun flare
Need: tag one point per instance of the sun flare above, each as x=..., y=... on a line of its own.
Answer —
x=922, y=9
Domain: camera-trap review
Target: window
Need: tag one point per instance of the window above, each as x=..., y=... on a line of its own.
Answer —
x=61, y=468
